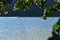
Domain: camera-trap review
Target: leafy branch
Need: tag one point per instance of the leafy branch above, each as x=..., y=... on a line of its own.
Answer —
x=24, y=4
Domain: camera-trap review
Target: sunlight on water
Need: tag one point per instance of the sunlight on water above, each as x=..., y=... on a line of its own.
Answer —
x=26, y=28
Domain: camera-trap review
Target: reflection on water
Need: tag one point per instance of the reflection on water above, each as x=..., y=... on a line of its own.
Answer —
x=26, y=28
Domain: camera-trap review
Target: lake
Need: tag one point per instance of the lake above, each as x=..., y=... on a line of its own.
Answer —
x=26, y=28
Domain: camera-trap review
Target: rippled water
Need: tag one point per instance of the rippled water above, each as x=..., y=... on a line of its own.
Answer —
x=26, y=28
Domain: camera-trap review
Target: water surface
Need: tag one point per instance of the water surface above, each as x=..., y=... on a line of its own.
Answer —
x=26, y=28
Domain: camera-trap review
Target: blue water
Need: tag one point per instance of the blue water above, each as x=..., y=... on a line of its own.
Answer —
x=26, y=28
x=32, y=12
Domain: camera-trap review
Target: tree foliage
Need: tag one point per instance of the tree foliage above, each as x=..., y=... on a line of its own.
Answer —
x=24, y=4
